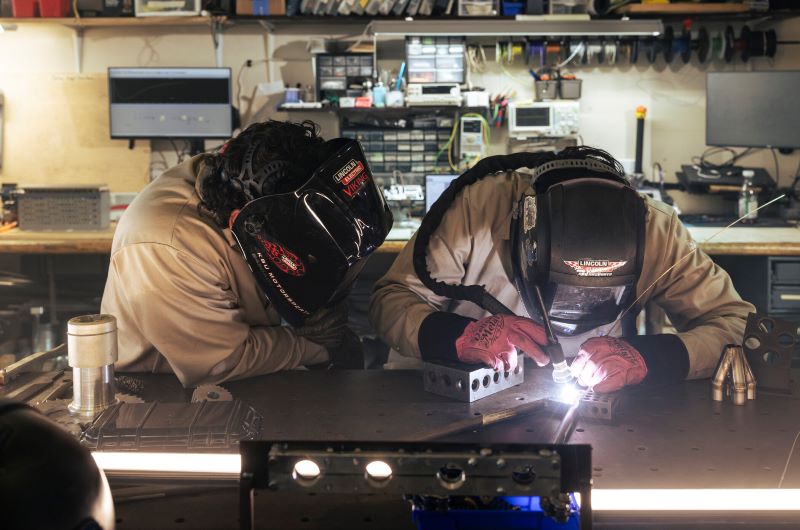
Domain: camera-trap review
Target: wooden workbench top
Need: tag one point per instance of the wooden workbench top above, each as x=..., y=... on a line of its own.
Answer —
x=754, y=241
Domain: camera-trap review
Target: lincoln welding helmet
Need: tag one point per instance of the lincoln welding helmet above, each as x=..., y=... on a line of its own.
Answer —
x=579, y=238
x=307, y=247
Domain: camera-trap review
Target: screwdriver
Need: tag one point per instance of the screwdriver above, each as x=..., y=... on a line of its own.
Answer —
x=561, y=373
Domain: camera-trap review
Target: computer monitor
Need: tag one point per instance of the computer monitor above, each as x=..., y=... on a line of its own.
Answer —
x=753, y=109
x=434, y=187
x=179, y=103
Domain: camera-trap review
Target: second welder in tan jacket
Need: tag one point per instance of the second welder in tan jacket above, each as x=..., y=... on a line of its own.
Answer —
x=472, y=247
x=184, y=297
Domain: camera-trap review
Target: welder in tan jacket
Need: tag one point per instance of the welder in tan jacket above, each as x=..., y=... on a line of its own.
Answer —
x=217, y=253
x=591, y=245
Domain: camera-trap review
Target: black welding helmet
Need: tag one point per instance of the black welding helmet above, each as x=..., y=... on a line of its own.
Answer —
x=307, y=247
x=579, y=238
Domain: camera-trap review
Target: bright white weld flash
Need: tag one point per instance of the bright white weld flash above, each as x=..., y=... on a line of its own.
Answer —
x=569, y=393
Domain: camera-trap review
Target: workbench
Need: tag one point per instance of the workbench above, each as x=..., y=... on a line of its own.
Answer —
x=668, y=437
x=761, y=241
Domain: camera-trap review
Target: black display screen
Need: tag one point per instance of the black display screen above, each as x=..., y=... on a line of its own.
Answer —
x=533, y=116
x=169, y=90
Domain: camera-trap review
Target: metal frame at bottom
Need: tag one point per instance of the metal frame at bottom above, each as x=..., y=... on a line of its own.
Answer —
x=415, y=469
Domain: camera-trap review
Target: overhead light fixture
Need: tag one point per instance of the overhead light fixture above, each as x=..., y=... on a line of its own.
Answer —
x=516, y=28
x=306, y=472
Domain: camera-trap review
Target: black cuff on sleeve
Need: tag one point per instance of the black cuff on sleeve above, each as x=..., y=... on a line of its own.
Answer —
x=665, y=355
x=438, y=333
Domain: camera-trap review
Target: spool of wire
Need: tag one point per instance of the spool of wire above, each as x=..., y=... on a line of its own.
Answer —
x=666, y=45
x=700, y=44
x=594, y=52
x=636, y=45
x=758, y=43
x=717, y=45
x=610, y=52
x=535, y=49
x=730, y=44
x=683, y=45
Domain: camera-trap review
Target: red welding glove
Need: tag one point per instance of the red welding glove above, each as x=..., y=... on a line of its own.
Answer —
x=606, y=364
x=492, y=341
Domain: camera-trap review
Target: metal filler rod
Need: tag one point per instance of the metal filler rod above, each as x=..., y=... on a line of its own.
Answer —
x=92, y=351
x=561, y=373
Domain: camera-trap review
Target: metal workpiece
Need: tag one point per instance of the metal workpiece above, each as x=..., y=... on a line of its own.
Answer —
x=92, y=341
x=733, y=377
x=470, y=382
x=92, y=351
x=598, y=406
x=769, y=345
x=29, y=363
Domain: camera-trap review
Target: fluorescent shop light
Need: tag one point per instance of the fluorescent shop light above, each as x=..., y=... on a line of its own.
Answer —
x=684, y=500
x=182, y=463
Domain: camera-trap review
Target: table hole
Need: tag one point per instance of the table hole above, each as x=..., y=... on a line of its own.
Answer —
x=752, y=342
x=748, y=448
x=731, y=430
x=771, y=358
x=579, y=430
x=379, y=431
x=367, y=519
x=598, y=468
x=630, y=430
x=641, y=448
x=782, y=430
x=764, y=413
x=381, y=414
x=304, y=519
x=476, y=413
x=528, y=430
x=653, y=469
x=717, y=413
x=119, y=520
x=429, y=413
x=695, y=448
x=520, y=398
x=710, y=469
x=180, y=520
x=681, y=430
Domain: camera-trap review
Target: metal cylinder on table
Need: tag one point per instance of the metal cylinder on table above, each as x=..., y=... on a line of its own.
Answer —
x=92, y=350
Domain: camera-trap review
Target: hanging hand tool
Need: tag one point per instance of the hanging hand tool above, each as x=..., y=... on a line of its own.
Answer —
x=27, y=363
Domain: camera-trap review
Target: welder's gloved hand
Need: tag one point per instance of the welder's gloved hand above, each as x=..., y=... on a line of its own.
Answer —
x=492, y=341
x=348, y=353
x=606, y=364
x=326, y=327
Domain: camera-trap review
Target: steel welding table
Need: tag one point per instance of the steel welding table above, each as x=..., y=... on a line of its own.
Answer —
x=670, y=437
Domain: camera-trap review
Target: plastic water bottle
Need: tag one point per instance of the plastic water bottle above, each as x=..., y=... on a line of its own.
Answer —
x=748, y=199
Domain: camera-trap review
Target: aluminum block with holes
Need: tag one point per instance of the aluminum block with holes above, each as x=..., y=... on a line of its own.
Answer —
x=470, y=382
x=597, y=406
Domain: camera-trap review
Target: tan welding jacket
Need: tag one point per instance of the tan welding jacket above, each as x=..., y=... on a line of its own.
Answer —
x=472, y=246
x=184, y=297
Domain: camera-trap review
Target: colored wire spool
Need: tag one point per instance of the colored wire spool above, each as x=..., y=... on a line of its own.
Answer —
x=624, y=49
x=730, y=44
x=666, y=45
x=683, y=45
x=635, y=45
x=534, y=50
x=649, y=47
x=701, y=45
x=758, y=43
x=584, y=55
x=717, y=45
x=610, y=52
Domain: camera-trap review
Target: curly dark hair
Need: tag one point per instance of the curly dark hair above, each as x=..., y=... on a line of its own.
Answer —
x=296, y=143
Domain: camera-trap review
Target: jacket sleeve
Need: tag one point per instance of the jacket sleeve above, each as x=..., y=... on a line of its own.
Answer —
x=400, y=302
x=697, y=295
x=189, y=314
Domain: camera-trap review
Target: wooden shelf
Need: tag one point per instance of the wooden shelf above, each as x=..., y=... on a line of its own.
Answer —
x=111, y=22
x=719, y=8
